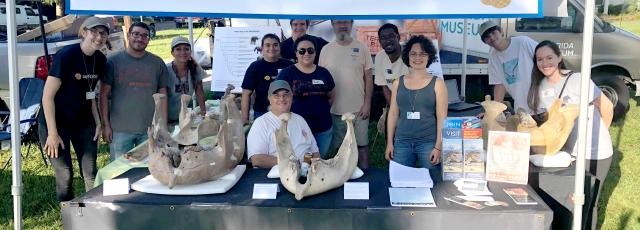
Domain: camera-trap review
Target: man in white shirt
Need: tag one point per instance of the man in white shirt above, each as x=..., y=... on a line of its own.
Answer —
x=261, y=146
x=510, y=64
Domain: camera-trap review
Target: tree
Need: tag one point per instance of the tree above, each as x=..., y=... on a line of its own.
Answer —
x=59, y=6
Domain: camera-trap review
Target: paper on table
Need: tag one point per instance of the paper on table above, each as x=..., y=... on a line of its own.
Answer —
x=356, y=190
x=115, y=187
x=460, y=183
x=477, y=198
x=265, y=191
x=404, y=176
x=411, y=197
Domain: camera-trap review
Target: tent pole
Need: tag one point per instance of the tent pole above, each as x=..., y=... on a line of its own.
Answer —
x=190, y=19
x=16, y=188
x=463, y=76
x=587, y=44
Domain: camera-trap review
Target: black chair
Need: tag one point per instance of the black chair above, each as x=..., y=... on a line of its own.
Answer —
x=30, y=103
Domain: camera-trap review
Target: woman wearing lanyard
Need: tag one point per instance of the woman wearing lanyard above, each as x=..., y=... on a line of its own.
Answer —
x=70, y=111
x=551, y=81
x=312, y=87
x=185, y=77
x=418, y=109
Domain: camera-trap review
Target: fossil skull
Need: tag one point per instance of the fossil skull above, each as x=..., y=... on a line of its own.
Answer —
x=173, y=163
x=547, y=138
x=323, y=175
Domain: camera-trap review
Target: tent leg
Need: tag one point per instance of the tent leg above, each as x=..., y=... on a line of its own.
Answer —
x=44, y=158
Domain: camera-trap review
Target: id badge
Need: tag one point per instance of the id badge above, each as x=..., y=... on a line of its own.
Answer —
x=91, y=95
x=317, y=82
x=413, y=115
x=549, y=93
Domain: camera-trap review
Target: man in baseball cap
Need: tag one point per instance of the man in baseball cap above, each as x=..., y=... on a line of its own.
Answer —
x=92, y=22
x=509, y=64
x=261, y=149
x=179, y=40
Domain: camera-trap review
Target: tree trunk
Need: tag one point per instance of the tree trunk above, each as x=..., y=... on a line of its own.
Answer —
x=60, y=8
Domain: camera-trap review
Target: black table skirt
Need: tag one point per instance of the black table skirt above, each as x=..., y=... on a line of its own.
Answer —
x=237, y=210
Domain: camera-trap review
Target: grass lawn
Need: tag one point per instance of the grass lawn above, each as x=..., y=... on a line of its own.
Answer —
x=629, y=23
x=619, y=203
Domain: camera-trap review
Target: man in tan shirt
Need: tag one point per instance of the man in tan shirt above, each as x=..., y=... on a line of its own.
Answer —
x=349, y=62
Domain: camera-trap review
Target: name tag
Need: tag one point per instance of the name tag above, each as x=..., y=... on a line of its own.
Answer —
x=317, y=82
x=413, y=115
x=91, y=95
x=548, y=93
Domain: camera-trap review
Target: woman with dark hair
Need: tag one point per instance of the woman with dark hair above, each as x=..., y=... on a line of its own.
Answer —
x=552, y=81
x=185, y=77
x=259, y=75
x=69, y=114
x=313, y=92
x=417, y=110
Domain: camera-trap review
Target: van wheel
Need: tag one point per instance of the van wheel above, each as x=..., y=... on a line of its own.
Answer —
x=152, y=31
x=614, y=88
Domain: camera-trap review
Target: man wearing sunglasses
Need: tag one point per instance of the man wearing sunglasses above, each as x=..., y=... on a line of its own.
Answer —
x=298, y=29
x=126, y=101
x=349, y=62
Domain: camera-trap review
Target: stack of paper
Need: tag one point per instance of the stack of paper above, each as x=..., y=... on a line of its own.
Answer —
x=411, y=197
x=404, y=176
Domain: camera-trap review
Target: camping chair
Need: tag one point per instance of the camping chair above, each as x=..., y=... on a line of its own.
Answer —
x=30, y=100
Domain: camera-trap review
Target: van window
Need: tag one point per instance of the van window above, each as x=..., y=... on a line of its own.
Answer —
x=17, y=10
x=550, y=24
x=3, y=10
x=30, y=12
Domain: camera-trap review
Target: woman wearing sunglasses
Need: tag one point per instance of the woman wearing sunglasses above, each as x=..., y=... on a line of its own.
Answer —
x=313, y=93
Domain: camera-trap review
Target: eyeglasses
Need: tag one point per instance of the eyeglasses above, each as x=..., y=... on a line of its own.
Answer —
x=140, y=35
x=414, y=55
x=303, y=51
x=100, y=33
x=279, y=96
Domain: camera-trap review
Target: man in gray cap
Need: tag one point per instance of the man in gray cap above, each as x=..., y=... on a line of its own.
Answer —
x=510, y=64
x=261, y=150
x=126, y=101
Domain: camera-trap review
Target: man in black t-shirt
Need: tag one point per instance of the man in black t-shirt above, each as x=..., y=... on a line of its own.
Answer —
x=299, y=28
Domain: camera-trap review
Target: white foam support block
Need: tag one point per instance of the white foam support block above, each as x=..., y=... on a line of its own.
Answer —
x=221, y=185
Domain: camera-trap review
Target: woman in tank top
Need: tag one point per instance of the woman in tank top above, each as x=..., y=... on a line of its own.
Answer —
x=418, y=109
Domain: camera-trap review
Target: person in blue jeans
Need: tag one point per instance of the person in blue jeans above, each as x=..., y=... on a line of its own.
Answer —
x=313, y=92
x=417, y=110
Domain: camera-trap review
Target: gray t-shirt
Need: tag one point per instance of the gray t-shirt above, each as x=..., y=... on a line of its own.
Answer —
x=133, y=82
x=177, y=87
x=599, y=144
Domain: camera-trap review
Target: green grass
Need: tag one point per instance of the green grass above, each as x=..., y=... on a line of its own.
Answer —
x=161, y=44
x=629, y=23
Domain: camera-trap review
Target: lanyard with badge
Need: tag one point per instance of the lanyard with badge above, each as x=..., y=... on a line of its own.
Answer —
x=91, y=81
x=413, y=115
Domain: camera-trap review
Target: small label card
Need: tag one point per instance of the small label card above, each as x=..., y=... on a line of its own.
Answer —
x=115, y=187
x=265, y=191
x=356, y=190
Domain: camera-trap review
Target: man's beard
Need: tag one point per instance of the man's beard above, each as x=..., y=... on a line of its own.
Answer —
x=342, y=36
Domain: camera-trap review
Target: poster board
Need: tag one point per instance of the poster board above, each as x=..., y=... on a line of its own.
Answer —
x=234, y=49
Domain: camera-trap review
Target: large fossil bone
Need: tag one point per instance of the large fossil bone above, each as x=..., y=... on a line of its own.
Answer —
x=323, y=175
x=547, y=138
x=172, y=164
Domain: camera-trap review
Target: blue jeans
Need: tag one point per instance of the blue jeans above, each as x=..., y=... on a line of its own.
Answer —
x=324, y=141
x=123, y=142
x=410, y=152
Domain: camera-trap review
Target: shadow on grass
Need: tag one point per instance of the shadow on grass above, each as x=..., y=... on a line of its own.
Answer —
x=624, y=220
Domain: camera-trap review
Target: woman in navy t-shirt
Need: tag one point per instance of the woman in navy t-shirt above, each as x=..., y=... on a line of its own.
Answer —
x=313, y=93
x=70, y=112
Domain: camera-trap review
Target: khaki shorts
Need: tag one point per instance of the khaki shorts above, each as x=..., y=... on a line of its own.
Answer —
x=340, y=129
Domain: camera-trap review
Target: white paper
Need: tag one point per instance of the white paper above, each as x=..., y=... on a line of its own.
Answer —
x=460, y=182
x=404, y=176
x=115, y=187
x=411, y=197
x=265, y=191
x=356, y=190
x=234, y=49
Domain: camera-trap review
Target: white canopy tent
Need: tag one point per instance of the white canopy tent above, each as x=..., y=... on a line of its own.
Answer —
x=307, y=9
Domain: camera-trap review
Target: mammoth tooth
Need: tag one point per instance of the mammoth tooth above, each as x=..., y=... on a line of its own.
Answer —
x=195, y=164
x=549, y=137
x=323, y=175
x=493, y=119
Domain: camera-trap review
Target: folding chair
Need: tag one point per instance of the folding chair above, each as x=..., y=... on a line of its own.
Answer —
x=30, y=103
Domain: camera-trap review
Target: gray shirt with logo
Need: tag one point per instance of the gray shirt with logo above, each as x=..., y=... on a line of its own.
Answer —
x=133, y=82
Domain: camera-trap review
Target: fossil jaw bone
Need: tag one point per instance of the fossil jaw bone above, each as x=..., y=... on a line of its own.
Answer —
x=323, y=175
x=172, y=165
